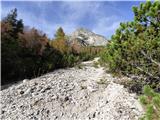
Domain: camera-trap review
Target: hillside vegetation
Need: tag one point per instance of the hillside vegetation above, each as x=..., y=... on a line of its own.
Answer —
x=134, y=51
x=134, y=48
x=28, y=53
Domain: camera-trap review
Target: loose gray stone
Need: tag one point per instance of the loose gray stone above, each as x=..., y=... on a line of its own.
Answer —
x=59, y=96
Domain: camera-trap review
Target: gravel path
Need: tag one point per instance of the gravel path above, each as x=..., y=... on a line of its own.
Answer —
x=70, y=94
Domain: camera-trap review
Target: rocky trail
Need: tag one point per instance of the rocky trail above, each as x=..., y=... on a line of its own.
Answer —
x=79, y=93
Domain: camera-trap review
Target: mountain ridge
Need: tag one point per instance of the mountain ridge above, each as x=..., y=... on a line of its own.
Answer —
x=86, y=37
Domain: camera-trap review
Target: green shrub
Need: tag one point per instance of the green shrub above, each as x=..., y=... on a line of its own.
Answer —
x=134, y=48
x=151, y=102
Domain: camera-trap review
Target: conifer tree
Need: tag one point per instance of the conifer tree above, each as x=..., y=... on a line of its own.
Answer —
x=60, y=42
x=11, y=28
x=134, y=48
x=60, y=34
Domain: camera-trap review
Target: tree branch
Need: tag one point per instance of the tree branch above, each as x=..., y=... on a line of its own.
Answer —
x=149, y=57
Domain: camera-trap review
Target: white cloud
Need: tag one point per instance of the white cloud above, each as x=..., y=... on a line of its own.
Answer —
x=106, y=26
x=69, y=21
x=29, y=19
x=79, y=9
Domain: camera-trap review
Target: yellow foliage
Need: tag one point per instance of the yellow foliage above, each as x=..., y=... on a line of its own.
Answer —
x=61, y=45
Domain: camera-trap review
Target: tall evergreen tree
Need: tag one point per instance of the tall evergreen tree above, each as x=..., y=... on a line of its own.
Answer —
x=60, y=34
x=11, y=28
x=60, y=42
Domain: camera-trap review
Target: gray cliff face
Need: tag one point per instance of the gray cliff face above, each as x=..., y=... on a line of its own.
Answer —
x=87, y=38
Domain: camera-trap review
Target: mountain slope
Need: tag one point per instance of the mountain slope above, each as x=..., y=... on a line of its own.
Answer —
x=78, y=93
x=87, y=38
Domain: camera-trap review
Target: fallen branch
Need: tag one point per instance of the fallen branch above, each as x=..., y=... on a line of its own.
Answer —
x=150, y=58
x=149, y=74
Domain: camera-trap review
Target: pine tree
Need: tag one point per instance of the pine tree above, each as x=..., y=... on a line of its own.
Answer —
x=60, y=42
x=134, y=48
x=11, y=28
x=60, y=34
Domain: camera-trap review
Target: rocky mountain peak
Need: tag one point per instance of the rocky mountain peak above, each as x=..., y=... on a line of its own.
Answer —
x=83, y=31
x=87, y=38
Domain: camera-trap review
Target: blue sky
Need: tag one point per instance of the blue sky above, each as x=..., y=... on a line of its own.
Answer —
x=101, y=17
